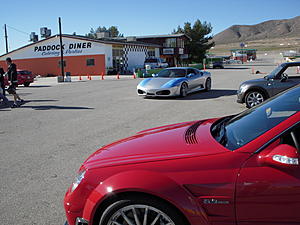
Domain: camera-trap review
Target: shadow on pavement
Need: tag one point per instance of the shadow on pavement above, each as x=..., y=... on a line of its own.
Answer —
x=4, y=107
x=36, y=86
x=55, y=107
x=236, y=68
x=39, y=100
x=214, y=93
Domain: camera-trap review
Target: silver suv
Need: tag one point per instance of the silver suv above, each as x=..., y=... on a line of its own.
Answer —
x=254, y=92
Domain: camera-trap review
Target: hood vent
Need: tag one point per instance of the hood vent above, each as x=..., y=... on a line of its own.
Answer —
x=190, y=134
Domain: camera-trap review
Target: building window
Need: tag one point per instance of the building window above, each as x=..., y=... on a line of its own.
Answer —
x=59, y=64
x=151, y=53
x=117, y=52
x=170, y=43
x=180, y=43
x=90, y=62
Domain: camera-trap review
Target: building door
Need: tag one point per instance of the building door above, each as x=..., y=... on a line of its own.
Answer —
x=118, y=59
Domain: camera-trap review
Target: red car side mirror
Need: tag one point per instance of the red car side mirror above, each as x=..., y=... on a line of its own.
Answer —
x=283, y=156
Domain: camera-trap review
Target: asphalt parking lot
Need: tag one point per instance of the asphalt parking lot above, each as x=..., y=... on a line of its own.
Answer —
x=44, y=142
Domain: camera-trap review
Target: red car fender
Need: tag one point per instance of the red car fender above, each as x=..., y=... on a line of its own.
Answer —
x=150, y=183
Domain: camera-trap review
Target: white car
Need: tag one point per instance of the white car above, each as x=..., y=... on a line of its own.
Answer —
x=155, y=63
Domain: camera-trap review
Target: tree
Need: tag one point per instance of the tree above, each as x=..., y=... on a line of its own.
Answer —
x=200, y=43
x=113, y=32
x=91, y=34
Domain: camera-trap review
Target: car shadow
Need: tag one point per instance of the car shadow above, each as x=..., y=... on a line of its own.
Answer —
x=202, y=95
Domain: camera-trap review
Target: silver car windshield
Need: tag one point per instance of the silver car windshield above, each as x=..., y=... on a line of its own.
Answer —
x=168, y=73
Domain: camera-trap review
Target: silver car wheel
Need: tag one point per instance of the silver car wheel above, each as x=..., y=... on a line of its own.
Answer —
x=254, y=98
x=139, y=215
x=183, y=90
x=208, y=84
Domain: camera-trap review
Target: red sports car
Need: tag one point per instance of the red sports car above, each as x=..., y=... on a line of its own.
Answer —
x=236, y=170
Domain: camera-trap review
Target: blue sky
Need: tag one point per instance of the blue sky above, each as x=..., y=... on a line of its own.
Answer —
x=134, y=17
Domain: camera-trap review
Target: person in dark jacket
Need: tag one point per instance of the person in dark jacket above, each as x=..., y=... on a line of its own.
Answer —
x=13, y=80
x=5, y=100
x=2, y=80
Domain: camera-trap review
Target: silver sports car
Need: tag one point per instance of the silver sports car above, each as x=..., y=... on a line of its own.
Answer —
x=177, y=81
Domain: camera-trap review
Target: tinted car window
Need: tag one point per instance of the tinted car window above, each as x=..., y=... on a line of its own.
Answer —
x=24, y=72
x=237, y=131
x=292, y=72
x=273, y=74
x=151, y=61
x=172, y=73
x=189, y=71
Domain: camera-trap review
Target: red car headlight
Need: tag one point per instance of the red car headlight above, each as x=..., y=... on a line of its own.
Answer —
x=78, y=179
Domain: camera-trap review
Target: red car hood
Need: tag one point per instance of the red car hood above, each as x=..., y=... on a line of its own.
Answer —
x=181, y=140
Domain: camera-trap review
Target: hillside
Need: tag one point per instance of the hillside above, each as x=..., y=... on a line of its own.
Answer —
x=266, y=30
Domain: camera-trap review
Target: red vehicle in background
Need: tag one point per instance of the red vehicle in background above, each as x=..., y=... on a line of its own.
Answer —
x=25, y=78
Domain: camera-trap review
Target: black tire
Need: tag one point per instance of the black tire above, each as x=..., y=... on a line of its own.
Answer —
x=208, y=84
x=26, y=84
x=253, y=98
x=183, y=90
x=125, y=205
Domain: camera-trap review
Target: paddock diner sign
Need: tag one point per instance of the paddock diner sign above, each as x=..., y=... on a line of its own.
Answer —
x=68, y=49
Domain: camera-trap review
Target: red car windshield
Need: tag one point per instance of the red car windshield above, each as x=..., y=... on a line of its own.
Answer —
x=234, y=132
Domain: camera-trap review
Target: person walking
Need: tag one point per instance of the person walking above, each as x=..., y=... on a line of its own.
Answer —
x=2, y=96
x=2, y=80
x=13, y=79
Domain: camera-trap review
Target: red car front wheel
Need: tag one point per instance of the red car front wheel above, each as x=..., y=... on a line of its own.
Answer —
x=138, y=211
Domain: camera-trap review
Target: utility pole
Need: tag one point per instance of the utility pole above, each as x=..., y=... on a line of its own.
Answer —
x=61, y=51
x=5, y=36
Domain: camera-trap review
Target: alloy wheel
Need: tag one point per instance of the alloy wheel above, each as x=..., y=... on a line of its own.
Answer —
x=139, y=214
x=183, y=90
x=254, y=98
x=208, y=84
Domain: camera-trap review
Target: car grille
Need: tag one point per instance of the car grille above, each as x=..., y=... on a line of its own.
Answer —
x=190, y=134
x=164, y=92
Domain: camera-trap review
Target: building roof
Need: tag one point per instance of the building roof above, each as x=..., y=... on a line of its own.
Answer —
x=103, y=41
x=163, y=36
x=243, y=49
x=112, y=40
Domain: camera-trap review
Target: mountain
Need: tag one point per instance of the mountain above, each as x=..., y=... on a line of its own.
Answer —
x=265, y=30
